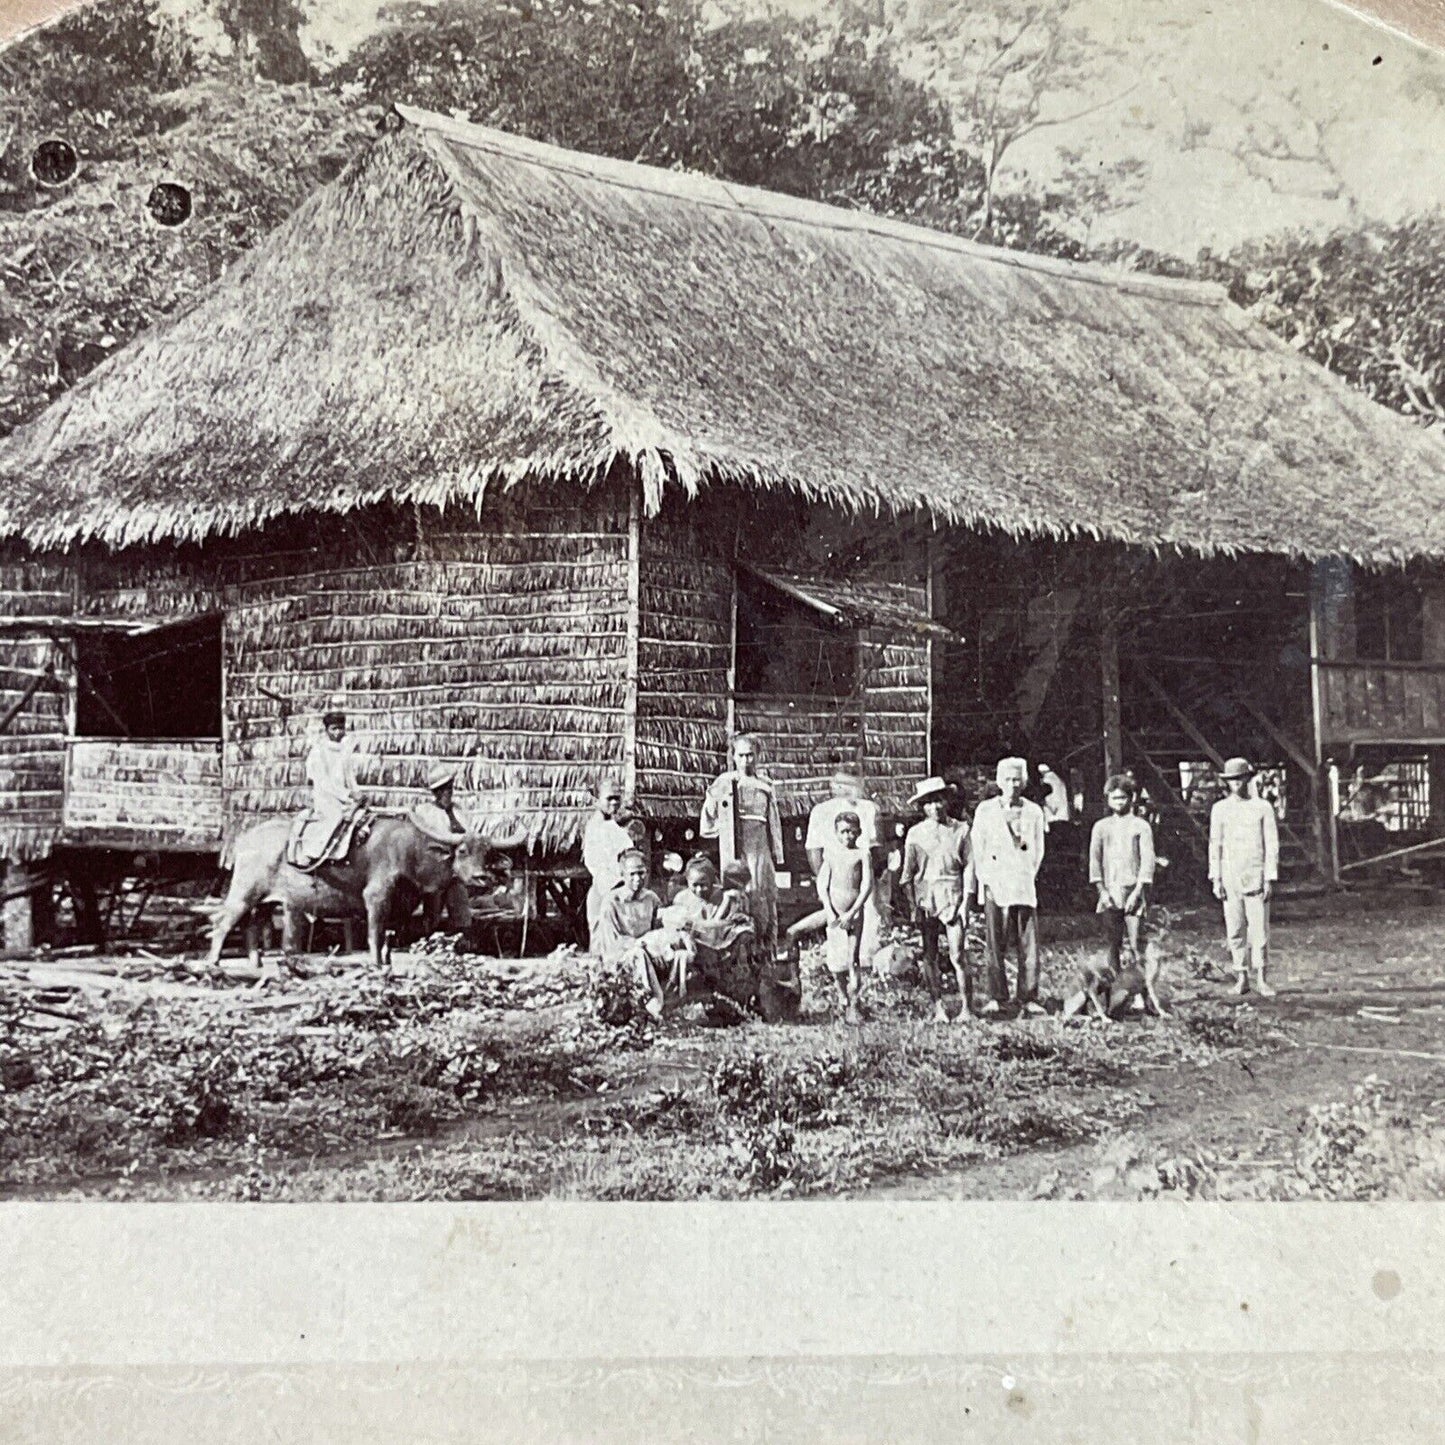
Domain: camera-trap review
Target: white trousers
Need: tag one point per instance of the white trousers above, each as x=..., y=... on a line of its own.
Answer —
x=1246, y=926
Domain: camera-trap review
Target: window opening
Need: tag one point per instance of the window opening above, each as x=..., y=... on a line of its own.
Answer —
x=787, y=649
x=1389, y=618
x=164, y=682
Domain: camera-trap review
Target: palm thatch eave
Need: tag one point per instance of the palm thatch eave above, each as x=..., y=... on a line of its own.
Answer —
x=464, y=310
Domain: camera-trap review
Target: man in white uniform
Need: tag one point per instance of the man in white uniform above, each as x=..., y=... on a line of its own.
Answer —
x=1008, y=847
x=1244, y=867
x=332, y=770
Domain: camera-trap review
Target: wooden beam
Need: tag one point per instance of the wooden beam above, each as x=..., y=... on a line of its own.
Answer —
x=933, y=600
x=732, y=677
x=1113, y=721
x=23, y=701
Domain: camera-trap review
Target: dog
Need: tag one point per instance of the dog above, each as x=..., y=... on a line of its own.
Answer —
x=1111, y=993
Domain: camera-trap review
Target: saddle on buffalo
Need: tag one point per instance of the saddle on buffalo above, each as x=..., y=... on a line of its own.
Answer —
x=315, y=841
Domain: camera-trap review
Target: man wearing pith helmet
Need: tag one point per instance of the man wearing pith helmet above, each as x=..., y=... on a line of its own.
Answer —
x=439, y=818
x=1243, y=868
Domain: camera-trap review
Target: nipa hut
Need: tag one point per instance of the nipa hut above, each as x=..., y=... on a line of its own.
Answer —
x=554, y=463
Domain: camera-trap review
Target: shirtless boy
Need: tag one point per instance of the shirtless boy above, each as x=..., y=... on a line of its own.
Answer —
x=844, y=883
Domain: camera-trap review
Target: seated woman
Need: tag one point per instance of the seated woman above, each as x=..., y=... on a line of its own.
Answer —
x=720, y=919
x=719, y=922
x=627, y=933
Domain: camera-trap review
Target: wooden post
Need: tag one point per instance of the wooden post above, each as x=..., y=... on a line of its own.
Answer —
x=1324, y=578
x=732, y=677
x=1112, y=704
x=18, y=913
x=631, y=683
x=933, y=600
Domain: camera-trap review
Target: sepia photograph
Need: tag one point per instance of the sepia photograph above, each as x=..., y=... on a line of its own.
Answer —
x=712, y=600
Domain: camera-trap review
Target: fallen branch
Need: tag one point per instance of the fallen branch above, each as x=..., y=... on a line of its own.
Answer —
x=1366, y=1049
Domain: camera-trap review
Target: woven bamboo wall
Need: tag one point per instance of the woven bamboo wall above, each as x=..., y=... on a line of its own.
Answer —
x=895, y=713
x=32, y=747
x=496, y=642
x=499, y=648
x=684, y=647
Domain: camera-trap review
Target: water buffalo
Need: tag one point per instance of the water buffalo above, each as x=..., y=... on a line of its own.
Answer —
x=395, y=851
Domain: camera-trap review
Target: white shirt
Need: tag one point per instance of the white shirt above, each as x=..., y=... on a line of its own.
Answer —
x=1243, y=844
x=1007, y=858
x=604, y=841
x=331, y=769
x=822, y=822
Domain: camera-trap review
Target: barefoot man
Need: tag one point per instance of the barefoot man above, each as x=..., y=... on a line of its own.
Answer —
x=938, y=867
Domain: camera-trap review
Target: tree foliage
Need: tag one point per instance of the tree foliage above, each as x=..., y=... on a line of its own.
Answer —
x=1368, y=303
x=98, y=77
x=83, y=274
x=265, y=37
x=911, y=108
x=765, y=100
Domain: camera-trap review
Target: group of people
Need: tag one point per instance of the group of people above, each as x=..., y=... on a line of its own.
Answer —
x=950, y=867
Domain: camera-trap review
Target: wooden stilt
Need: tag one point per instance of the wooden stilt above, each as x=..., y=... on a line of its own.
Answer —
x=18, y=909
x=1113, y=723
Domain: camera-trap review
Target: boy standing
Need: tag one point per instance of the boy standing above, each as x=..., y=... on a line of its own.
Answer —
x=1121, y=867
x=938, y=866
x=1244, y=867
x=1008, y=847
x=844, y=882
x=849, y=796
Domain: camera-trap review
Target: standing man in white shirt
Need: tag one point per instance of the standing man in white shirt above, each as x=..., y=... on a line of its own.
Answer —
x=1008, y=848
x=604, y=841
x=848, y=797
x=1244, y=867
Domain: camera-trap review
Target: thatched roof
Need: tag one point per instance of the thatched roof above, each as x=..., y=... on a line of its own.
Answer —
x=464, y=308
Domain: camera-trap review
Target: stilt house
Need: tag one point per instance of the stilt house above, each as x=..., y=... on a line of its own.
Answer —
x=553, y=463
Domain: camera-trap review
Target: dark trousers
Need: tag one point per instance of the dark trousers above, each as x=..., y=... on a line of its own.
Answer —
x=1016, y=925
x=1116, y=925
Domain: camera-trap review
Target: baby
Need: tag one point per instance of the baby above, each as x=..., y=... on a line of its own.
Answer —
x=845, y=882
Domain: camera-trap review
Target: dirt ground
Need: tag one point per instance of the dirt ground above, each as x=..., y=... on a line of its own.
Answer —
x=467, y=1078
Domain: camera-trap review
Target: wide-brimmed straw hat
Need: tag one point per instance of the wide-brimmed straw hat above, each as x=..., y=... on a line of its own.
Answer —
x=1237, y=768
x=439, y=775
x=929, y=788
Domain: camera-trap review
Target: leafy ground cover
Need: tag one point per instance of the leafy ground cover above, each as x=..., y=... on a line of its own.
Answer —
x=467, y=1078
